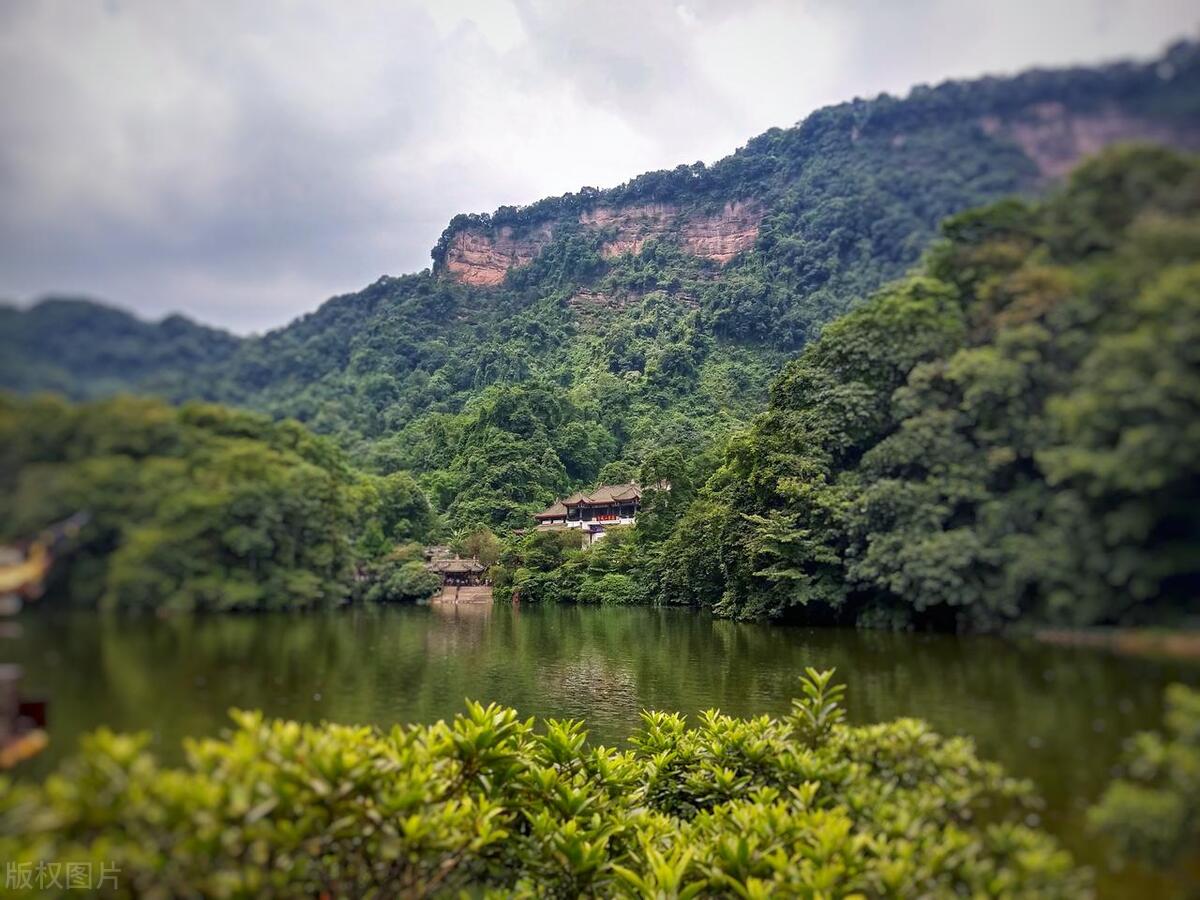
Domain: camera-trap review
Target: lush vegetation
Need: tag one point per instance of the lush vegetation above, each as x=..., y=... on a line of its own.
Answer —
x=1003, y=436
x=498, y=399
x=800, y=806
x=626, y=566
x=202, y=507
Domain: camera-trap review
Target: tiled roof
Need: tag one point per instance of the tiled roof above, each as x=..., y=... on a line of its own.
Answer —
x=608, y=493
x=555, y=511
x=603, y=495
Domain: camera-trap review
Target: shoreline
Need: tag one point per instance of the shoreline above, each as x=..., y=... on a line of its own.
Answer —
x=1182, y=645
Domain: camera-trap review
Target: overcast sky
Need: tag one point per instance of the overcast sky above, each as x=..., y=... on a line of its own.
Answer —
x=240, y=162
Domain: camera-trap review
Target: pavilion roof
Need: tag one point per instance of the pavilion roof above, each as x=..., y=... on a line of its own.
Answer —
x=605, y=494
x=601, y=496
x=608, y=493
x=556, y=510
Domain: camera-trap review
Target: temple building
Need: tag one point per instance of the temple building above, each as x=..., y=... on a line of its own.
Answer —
x=458, y=572
x=592, y=513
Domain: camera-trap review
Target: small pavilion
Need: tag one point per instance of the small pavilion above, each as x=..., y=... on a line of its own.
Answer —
x=458, y=572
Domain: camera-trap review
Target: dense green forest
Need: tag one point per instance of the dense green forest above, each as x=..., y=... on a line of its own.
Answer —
x=1004, y=435
x=203, y=507
x=497, y=399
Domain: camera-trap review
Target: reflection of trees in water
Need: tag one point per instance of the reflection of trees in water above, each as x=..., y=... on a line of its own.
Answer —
x=179, y=675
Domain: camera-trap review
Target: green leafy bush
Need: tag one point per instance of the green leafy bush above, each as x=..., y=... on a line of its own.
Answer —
x=487, y=803
x=401, y=576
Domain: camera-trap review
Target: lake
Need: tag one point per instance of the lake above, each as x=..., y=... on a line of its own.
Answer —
x=1056, y=715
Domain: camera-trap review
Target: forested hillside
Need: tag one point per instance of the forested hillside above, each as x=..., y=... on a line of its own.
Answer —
x=1009, y=434
x=84, y=349
x=202, y=507
x=557, y=344
x=1005, y=435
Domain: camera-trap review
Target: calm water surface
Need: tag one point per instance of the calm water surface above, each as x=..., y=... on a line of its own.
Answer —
x=1055, y=715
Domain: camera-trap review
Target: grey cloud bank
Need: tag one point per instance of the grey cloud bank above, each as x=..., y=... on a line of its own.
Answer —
x=241, y=162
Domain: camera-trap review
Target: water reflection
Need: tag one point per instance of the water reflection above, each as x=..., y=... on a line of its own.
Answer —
x=1053, y=714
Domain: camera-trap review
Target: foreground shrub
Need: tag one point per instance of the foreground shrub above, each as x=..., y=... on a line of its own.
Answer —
x=799, y=806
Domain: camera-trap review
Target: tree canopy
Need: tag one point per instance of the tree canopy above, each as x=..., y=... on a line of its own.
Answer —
x=1002, y=436
x=198, y=507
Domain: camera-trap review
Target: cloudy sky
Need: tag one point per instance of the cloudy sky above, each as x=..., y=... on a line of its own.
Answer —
x=242, y=161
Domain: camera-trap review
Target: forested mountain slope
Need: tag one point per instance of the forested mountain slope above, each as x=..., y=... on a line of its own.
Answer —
x=1010, y=434
x=86, y=349
x=554, y=344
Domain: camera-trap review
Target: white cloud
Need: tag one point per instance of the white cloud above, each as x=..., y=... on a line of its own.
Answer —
x=241, y=162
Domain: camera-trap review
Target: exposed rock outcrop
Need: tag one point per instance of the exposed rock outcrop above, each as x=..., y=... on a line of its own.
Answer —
x=482, y=257
x=632, y=226
x=723, y=236
x=1056, y=139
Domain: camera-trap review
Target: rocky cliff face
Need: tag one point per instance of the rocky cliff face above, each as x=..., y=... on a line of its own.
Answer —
x=1056, y=139
x=719, y=237
x=1055, y=119
x=480, y=256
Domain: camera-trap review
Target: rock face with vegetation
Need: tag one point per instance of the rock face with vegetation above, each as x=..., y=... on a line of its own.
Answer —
x=483, y=254
x=490, y=805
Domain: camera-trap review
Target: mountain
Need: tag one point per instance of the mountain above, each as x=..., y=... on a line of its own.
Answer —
x=86, y=349
x=561, y=342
